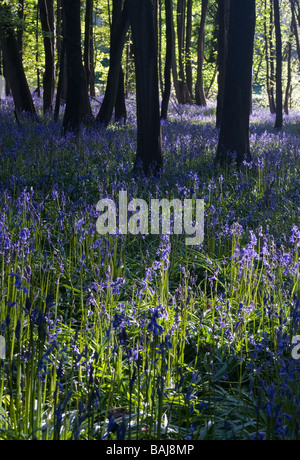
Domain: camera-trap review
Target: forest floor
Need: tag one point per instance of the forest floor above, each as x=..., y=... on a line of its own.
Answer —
x=144, y=337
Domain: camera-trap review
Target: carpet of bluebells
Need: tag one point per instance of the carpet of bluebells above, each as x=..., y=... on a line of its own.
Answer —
x=143, y=337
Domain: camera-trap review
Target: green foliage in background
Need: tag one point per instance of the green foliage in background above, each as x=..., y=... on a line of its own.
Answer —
x=33, y=53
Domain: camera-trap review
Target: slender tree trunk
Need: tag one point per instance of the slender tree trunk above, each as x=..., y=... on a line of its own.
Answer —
x=61, y=92
x=289, y=76
x=184, y=94
x=48, y=27
x=149, y=143
x=270, y=93
x=119, y=28
x=13, y=64
x=61, y=67
x=272, y=61
x=234, y=144
x=160, y=66
x=92, y=81
x=78, y=107
x=199, y=90
x=279, y=95
x=88, y=47
x=128, y=55
x=59, y=33
x=181, y=9
x=37, y=55
x=62, y=81
x=174, y=61
x=223, y=20
x=188, y=53
x=169, y=58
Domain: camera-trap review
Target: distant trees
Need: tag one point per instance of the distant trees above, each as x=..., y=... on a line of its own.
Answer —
x=183, y=31
x=270, y=54
x=184, y=43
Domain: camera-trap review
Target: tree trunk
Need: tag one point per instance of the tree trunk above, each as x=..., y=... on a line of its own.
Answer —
x=92, y=81
x=234, y=142
x=223, y=20
x=59, y=33
x=272, y=62
x=61, y=67
x=156, y=24
x=199, y=90
x=289, y=76
x=78, y=107
x=279, y=96
x=174, y=60
x=120, y=106
x=48, y=27
x=62, y=81
x=37, y=55
x=169, y=58
x=128, y=64
x=268, y=76
x=61, y=93
x=149, y=144
x=188, y=55
x=294, y=26
x=119, y=28
x=160, y=66
x=88, y=48
x=181, y=9
x=14, y=70
x=184, y=94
